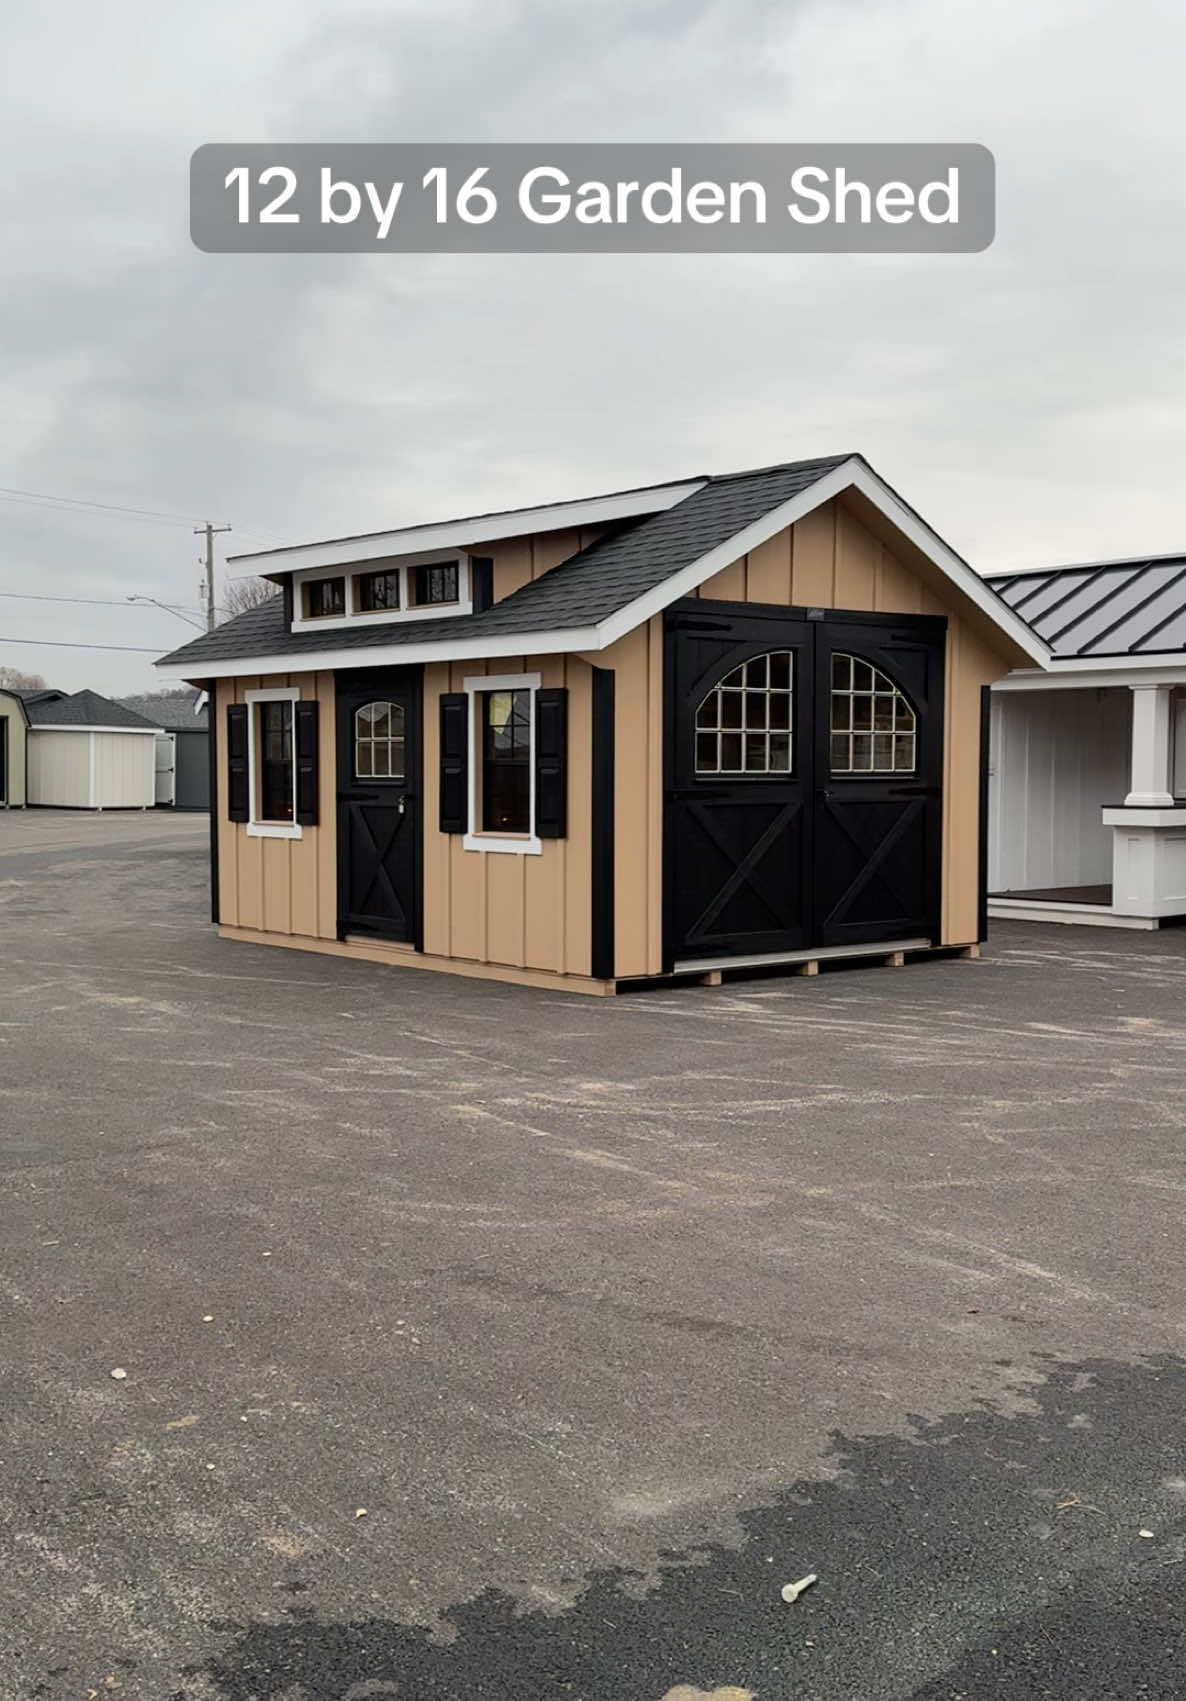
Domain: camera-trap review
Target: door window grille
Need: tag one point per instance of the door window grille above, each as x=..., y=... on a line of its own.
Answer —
x=379, y=742
x=745, y=725
x=873, y=728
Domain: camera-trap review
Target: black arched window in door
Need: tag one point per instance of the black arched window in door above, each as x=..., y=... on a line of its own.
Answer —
x=379, y=741
x=873, y=727
x=745, y=723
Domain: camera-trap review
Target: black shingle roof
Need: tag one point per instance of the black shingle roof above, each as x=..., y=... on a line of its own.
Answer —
x=171, y=710
x=1109, y=608
x=580, y=592
x=83, y=708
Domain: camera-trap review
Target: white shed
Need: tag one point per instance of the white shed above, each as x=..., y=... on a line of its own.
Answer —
x=1087, y=777
x=86, y=752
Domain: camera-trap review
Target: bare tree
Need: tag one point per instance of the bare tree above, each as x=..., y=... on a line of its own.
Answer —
x=12, y=679
x=242, y=594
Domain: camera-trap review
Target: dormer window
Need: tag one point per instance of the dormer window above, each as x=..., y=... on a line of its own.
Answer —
x=423, y=587
x=375, y=592
x=324, y=599
x=435, y=582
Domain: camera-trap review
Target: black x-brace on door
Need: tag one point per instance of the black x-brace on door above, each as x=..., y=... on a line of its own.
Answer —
x=775, y=838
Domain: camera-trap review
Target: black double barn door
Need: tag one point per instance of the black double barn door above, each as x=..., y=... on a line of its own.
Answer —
x=380, y=794
x=804, y=761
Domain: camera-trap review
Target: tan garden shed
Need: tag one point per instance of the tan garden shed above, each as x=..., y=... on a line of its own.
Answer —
x=14, y=728
x=730, y=721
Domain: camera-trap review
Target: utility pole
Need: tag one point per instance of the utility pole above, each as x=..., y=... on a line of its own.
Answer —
x=209, y=531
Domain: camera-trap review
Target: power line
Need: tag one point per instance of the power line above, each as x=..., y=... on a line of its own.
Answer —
x=84, y=502
x=94, y=602
x=63, y=644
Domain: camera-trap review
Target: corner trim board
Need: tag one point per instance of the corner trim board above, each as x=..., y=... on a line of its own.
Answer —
x=602, y=861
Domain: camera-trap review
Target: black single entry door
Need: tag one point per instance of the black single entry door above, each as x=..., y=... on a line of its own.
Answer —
x=803, y=779
x=379, y=803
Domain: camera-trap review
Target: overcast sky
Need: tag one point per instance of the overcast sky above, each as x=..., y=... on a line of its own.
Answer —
x=1029, y=401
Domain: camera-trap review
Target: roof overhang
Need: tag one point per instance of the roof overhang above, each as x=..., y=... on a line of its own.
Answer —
x=853, y=479
x=477, y=529
x=1095, y=672
x=132, y=731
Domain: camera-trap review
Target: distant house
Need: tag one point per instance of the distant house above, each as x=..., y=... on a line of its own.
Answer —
x=85, y=752
x=1088, y=786
x=182, y=748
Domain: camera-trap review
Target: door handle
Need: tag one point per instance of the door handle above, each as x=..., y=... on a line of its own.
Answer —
x=403, y=804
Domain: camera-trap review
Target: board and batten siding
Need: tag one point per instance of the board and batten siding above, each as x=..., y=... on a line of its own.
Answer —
x=124, y=769
x=829, y=559
x=521, y=912
x=60, y=768
x=1058, y=757
x=518, y=560
x=284, y=886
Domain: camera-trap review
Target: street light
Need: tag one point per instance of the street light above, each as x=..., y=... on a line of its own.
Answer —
x=169, y=609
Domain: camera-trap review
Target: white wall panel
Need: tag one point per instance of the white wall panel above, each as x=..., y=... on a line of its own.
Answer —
x=1057, y=758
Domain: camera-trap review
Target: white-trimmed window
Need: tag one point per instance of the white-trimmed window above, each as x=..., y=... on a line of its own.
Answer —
x=271, y=763
x=873, y=728
x=427, y=586
x=502, y=763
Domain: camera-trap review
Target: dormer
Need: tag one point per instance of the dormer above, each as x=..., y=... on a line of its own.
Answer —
x=422, y=586
x=456, y=567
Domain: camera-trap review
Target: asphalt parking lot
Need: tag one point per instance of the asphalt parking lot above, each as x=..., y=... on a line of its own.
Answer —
x=483, y=1342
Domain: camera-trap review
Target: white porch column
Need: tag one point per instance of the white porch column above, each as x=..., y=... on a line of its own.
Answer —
x=1149, y=776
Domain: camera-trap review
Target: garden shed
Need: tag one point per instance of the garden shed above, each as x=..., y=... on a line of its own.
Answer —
x=14, y=727
x=86, y=752
x=730, y=721
x=182, y=748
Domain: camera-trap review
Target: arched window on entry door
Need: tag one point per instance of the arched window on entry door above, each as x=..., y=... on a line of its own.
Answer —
x=379, y=741
x=873, y=728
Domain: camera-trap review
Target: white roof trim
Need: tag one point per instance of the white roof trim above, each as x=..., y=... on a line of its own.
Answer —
x=853, y=474
x=1087, y=566
x=136, y=731
x=481, y=528
x=393, y=655
x=1168, y=668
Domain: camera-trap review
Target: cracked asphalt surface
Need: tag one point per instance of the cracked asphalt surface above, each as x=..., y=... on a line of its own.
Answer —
x=609, y=1317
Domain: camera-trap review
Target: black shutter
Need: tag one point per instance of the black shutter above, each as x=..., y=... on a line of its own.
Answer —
x=551, y=763
x=454, y=762
x=237, y=799
x=305, y=746
x=481, y=580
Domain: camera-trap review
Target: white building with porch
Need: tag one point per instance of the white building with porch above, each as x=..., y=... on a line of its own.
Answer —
x=1087, y=766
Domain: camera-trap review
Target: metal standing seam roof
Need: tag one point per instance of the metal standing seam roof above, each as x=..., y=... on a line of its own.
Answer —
x=580, y=592
x=82, y=709
x=1108, y=608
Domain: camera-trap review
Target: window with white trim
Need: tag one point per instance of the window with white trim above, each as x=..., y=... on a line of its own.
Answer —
x=745, y=725
x=873, y=728
x=427, y=586
x=271, y=763
x=502, y=763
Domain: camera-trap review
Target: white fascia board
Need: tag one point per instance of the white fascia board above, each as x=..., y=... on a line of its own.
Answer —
x=392, y=655
x=136, y=731
x=1086, y=672
x=483, y=528
x=852, y=474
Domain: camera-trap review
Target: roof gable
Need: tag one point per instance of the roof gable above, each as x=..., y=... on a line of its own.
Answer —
x=598, y=595
x=83, y=709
